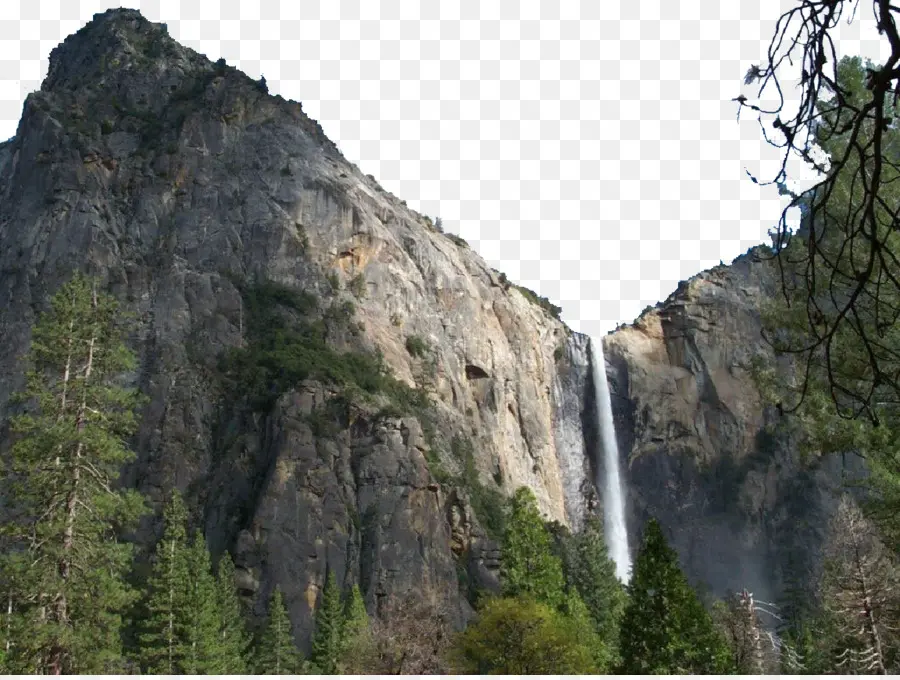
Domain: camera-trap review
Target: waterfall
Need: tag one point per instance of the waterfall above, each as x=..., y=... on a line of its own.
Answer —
x=613, y=498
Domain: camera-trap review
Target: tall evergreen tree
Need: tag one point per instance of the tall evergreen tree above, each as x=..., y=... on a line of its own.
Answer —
x=233, y=639
x=665, y=629
x=580, y=623
x=162, y=642
x=593, y=573
x=326, y=642
x=529, y=566
x=63, y=568
x=203, y=649
x=355, y=622
x=276, y=652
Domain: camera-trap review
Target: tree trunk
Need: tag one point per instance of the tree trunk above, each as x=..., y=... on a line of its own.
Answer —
x=62, y=603
x=869, y=616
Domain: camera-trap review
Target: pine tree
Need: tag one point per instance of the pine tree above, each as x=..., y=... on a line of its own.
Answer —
x=63, y=568
x=326, y=642
x=355, y=622
x=580, y=623
x=202, y=635
x=233, y=639
x=861, y=591
x=528, y=565
x=593, y=573
x=276, y=653
x=665, y=629
x=162, y=642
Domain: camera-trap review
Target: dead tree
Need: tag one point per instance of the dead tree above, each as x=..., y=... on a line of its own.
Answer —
x=755, y=649
x=860, y=590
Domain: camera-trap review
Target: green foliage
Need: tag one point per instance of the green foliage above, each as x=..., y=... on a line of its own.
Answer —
x=62, y=566
x=276, y=652
x=162, y=649
x=202, y=632
x=539, y=300
x=665, y=629
x=835, y=420
x=354, y=624
x=416, y=346
x=285, y=346
x=528, y=566
x=593, y=574
x=333, y=281
x=458, y=240
x=808, y=647
x=581, y=623
x=326, y=642
x=233, y=640
x=357, y=286
x=487, y=502
x=559, y=352
x=518, y=636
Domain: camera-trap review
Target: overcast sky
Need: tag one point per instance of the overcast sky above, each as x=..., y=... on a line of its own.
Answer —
x=587, y=149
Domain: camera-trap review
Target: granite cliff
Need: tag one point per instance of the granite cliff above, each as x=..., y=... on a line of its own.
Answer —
x=182, y=184
x=211, y=210
x=705, y=454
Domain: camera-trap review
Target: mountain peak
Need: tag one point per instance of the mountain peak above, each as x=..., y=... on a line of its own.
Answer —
x=117, y=36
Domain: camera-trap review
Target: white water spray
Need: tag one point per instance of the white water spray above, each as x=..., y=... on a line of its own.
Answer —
x=613, y=499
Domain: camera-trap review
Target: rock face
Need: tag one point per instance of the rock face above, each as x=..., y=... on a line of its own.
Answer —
x=174, y=180
x=740, y=507
x=180, y=183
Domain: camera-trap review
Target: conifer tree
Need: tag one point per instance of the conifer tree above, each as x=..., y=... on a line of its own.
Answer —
x=326, y=642
x=162, y=642
x=665, y=629
x=276, y=652
x=593, y=573
x=203, y=648
x=233, y=639
x=63, y=569
x=861, y=592
x=580, y=623
x=355, y=623
x=528, y=565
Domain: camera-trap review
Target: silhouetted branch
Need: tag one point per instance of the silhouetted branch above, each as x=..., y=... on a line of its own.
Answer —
x=847, y=274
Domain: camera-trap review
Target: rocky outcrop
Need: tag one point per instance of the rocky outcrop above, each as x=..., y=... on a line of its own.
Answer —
x=740, y=506
x=176, y=181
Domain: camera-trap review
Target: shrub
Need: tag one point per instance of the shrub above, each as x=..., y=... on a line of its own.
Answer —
x=540, y=301
x=285, y=346
x=458, y=240
x=487, y=502
x=416, y=346
x=357, y=286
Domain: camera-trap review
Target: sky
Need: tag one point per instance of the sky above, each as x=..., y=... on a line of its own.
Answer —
x=589, y=150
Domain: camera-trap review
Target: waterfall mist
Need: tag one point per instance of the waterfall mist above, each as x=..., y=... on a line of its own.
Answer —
x=613, y=498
